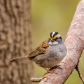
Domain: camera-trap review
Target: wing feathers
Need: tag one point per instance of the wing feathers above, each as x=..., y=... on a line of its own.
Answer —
x=41, y=49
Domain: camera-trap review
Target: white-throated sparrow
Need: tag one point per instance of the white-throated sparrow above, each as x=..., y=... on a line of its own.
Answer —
x=49, y=53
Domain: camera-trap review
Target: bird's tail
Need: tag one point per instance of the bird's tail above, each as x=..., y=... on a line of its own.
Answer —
x=18, y=58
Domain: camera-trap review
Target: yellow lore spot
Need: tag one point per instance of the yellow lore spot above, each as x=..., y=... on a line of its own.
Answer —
x=54, y=37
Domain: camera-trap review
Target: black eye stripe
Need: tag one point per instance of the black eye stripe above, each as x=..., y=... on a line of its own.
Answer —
x=56, y=33
x=60, y=37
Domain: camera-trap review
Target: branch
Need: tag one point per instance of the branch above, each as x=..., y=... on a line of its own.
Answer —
x=36, y=79
x=80, y=74
x=75, y=44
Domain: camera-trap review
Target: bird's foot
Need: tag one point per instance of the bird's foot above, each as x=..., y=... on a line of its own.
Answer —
x=57, y=66
x=49, y=72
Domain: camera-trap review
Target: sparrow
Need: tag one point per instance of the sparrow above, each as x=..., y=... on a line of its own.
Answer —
x=49, y=53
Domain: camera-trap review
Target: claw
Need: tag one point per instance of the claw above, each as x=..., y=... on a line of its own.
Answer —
x=57, y=66
x=48, y=71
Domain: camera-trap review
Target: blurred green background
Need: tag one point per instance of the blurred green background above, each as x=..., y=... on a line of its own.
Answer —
x=53, y=15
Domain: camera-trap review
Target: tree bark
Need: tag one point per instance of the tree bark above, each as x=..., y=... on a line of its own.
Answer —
x=15, y=40
x=75, y=44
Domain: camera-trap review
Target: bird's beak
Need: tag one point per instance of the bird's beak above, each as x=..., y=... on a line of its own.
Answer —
x=52, y=40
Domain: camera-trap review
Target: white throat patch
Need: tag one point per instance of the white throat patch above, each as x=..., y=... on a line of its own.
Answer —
x=51, y=43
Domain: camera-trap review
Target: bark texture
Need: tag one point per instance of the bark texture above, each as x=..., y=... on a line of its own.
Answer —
x=75, y=44
x=15, y=40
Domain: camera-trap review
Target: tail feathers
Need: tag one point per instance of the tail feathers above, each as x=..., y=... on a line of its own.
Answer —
x=31, y=58
x=18, y=58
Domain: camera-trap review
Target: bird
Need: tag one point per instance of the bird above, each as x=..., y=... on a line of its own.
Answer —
x=49, y=53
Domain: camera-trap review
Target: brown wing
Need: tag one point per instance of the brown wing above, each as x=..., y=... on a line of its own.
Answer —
x=41, y=49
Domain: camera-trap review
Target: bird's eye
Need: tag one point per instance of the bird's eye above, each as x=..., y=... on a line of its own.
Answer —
x=49, y=37
x=54, y=37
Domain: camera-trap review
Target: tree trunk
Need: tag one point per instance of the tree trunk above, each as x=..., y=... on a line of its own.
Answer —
x=15, y=40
